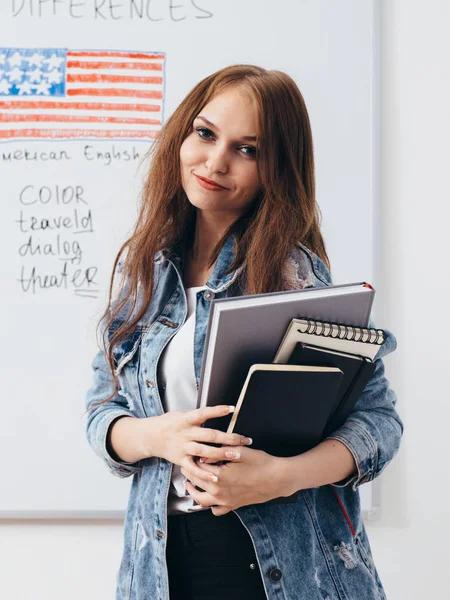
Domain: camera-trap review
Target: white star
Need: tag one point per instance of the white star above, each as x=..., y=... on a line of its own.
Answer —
x=15, y=60
x=5, y=87
x=35, y=76
x=54, y=61
x=42, y=88
x=36, y=59
x=15, y=75
x=25, y=88
x=54, y=76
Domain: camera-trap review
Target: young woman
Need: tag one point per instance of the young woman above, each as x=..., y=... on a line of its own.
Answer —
x=228, y=208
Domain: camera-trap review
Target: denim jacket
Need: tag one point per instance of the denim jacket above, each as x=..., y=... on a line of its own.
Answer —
x=305, y=550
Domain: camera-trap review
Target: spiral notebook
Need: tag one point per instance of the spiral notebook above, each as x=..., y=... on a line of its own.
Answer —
x=361, y=341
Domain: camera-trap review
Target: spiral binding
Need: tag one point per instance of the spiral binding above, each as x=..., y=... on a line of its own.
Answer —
x=342, y=332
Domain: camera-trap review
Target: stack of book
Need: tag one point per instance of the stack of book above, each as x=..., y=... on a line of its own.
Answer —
x=288, y=402
x=319, y=372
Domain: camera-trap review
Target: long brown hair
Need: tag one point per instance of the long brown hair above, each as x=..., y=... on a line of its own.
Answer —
x=284, y=213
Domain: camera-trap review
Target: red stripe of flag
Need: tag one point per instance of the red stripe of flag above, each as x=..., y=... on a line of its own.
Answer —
x=112, y=79
x=73, y=119
x=116, y=54
x=80, y=106
x=77, y=133
x=78, y=64
x=112, y=92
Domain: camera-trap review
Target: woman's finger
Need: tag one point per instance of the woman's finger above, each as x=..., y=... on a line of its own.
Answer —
x=204, y=434
x=213, y=473
x=200, y=415
x=200, y=451
x=218, y=511
x=206, y=485
x=202, y=498
x=207, y=461
x=223, y=455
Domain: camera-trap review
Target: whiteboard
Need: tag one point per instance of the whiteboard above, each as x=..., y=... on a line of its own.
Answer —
x=85, y=186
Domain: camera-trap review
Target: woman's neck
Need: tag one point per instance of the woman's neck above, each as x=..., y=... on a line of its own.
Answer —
x=194, y=274
x=209, y=230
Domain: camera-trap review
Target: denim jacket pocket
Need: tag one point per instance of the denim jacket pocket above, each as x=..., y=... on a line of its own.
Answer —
x=124, y=353
x=127, y=573
x=362, y=555
x=135, y=542
x=368, y=563
x=141, y=553
x=127, y=359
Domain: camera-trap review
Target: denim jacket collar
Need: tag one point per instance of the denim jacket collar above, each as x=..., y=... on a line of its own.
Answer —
x=293, y=275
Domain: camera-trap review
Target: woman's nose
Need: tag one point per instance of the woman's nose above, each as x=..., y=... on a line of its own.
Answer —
x=217, y=160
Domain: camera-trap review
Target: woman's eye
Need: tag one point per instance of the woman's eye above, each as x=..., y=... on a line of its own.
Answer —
x=207, y=134
x=204, y=133
x=249, y=151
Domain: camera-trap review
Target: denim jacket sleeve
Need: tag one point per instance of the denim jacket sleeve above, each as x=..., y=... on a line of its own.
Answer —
x=373, y=430
x=99, y=419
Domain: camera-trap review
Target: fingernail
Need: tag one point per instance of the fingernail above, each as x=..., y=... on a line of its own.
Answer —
x=232, y=454
x=214, y=478
x=202, y=460
x=231, y=409
x=250, y=441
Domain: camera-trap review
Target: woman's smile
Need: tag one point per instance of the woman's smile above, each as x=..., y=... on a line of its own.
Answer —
x=208, y=184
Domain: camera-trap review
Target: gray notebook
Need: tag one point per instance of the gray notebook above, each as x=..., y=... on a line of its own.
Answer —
x=245, y=330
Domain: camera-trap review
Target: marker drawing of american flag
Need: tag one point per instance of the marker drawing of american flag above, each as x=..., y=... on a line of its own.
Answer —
x=55, y=93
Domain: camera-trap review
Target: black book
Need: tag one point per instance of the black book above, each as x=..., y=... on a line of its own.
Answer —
x=284, y=409
x=357, y=370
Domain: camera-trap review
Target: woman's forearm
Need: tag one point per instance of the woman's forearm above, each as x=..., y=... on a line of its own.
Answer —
x=329, y=462
x=128, y=438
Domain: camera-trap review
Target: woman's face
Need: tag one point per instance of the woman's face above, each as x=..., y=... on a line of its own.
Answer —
x=218, y=157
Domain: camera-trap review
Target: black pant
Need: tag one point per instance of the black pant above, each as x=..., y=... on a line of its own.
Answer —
x=211, y=558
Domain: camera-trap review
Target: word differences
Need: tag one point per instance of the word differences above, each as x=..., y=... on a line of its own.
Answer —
x=114, y=10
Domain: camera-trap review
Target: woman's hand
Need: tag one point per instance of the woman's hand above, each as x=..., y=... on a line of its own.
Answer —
x=179, y=438
x=252, y=478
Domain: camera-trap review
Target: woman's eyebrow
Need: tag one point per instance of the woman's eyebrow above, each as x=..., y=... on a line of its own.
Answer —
x=249, y=138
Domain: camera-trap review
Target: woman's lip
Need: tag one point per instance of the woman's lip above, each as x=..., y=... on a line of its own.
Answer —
x=209, y=186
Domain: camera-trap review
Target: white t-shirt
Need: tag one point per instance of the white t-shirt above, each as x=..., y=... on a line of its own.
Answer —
x=177, y=375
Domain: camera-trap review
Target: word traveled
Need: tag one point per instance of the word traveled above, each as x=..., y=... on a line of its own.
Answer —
x=79, y=223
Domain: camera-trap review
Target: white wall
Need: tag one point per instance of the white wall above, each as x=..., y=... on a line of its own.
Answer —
x=55, y=560
x=410, y=542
